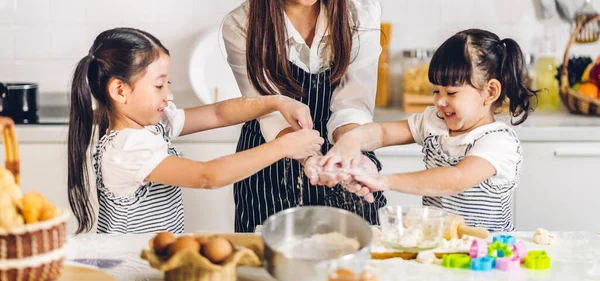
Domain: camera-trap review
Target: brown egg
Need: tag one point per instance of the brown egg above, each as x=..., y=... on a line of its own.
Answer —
x=184, y=242
x=161, y=242
x=201, y=240
x=217, y=249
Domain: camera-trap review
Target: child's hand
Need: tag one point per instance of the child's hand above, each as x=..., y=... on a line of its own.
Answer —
x=301, y=144
x=371, y=181
x=295, y=113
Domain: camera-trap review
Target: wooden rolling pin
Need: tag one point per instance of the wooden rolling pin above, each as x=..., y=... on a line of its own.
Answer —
x=455, y=227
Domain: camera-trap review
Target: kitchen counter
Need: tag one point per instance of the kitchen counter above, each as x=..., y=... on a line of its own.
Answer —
x=575, y=256
x=540, y=127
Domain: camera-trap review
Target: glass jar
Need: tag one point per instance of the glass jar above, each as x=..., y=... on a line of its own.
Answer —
x=415, y=68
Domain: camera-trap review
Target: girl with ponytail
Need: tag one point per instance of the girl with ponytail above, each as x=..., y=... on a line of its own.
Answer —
x=138, y=172
x=473, y=161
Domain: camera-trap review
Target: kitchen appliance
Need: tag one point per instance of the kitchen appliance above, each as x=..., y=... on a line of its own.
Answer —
x=19, y=101
x=296, y=224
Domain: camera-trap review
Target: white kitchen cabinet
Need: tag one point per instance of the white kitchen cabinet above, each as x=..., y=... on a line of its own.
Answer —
x=208, y=210
x=559, y=187
x=401, y=159
x=558, y=190
x=44, y=169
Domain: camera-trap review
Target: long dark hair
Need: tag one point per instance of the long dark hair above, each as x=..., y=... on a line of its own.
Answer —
x=474, y=57
x=121, y=53
x=266, y=52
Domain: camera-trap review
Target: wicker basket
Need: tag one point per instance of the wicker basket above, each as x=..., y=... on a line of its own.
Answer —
x=11, y=148
x=574, y=101
x=31, y=251
x=188, y=265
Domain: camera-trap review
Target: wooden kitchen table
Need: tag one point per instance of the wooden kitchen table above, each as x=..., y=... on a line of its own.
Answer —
x=575, y=256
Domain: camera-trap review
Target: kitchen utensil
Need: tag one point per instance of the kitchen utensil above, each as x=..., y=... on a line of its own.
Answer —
x=591, y=31
x=19, y=101
x=411, y=228
x=564, y=11
x=455, y=227
x=293, y=225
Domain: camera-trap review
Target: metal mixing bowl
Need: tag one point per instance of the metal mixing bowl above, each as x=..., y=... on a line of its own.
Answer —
x=291, y=225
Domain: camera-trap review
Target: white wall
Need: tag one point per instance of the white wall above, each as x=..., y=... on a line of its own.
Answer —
x=42, y=40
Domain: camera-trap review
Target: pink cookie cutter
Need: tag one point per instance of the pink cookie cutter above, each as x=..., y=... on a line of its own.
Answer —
x=479, y=249
x=520, y=250
x=508, y=264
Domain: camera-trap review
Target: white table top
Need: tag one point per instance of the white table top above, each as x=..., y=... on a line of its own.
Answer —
x=575, y=256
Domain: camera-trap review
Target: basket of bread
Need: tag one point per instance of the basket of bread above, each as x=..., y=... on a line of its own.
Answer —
x=32, y=230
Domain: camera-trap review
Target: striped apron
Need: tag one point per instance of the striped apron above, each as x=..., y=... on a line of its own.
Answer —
x=283, y=185
x=153, y=208
x=487, y=205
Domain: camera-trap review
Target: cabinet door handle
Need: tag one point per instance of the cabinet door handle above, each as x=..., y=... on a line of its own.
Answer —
x=576, y=152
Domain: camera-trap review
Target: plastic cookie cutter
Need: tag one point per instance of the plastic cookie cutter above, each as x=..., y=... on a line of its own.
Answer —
x=537, y=260
x=457, y=261
x=483, y=264
x=505, y=239
x=479, y=249
x=499, y=250
x=520, y=250
x=508, y=264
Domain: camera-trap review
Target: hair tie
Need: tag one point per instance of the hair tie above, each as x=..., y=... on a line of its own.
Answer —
x=91, y=55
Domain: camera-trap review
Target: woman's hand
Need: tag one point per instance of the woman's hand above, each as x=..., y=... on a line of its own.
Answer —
x=295, y=113
x=344, y=154
x=319, y=176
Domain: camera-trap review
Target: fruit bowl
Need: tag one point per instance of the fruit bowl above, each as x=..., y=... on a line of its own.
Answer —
x=582, y=100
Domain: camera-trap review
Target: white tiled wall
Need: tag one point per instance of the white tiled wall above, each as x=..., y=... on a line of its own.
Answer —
x=42, y=40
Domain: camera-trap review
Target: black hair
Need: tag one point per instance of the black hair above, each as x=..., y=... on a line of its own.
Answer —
x=475, y=56
x=121, y=53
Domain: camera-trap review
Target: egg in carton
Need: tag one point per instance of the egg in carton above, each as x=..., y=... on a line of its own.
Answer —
x=197, y=258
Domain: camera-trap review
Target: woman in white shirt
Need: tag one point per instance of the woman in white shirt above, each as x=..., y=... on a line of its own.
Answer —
x=323, y=53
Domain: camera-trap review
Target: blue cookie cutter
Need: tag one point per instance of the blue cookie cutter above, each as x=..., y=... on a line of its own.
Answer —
x=505, y=239
x=483, y=264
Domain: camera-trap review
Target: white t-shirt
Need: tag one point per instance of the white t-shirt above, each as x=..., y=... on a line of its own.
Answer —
x=133, y=153
x=353, y=101
x=501, y=150
x=489, y=204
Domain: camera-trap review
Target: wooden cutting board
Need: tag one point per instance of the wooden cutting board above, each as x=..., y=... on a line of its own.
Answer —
x=76, y=273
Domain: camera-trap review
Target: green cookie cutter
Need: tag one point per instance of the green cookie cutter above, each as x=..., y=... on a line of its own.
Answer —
x=537, y=260
x=457, y=261
x=499, y=250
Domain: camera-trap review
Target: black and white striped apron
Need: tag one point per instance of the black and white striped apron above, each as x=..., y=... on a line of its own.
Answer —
x=487, y=205
x=277, y=187
x=153, y=207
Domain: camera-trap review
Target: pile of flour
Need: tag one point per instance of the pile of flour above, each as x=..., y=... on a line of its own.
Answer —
x=320, y=246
